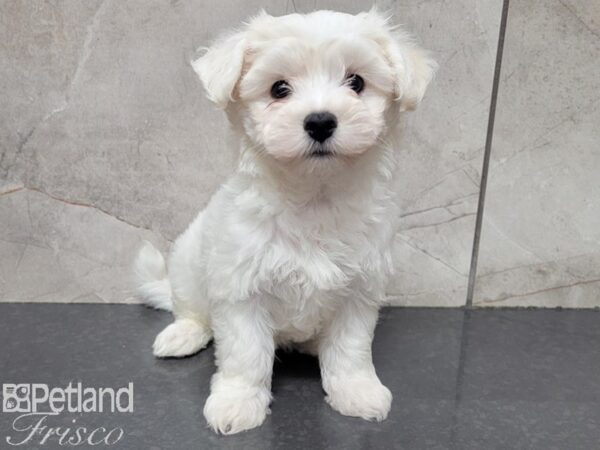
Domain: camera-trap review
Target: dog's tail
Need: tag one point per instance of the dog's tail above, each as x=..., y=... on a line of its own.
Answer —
x=152, y=283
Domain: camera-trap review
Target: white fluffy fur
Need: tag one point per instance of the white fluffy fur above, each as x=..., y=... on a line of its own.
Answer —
x=151, y=278
x=293, y=249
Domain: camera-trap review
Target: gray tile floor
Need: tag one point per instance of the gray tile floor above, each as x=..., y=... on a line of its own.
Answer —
x=474, y=379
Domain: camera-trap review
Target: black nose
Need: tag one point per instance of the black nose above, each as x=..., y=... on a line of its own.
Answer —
x=320, y=126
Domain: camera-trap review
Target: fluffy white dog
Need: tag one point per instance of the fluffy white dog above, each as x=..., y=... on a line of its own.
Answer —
x=294, y=249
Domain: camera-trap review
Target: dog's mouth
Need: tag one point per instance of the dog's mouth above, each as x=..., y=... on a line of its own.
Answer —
x=321, y=153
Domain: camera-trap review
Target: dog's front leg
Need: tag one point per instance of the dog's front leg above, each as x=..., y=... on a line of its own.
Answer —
x=349, y=377
x=241, y=388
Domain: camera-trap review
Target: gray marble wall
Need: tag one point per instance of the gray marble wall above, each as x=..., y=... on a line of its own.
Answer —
x=107, y=139
x=540, y=241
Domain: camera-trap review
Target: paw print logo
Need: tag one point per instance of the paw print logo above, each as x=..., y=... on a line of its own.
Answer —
x=16, y=398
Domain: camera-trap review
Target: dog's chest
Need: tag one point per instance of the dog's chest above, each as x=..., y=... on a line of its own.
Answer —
x=301, y=257
x=317, y=251
x=301, y=274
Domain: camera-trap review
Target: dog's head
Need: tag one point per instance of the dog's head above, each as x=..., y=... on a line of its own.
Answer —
x=319, y=86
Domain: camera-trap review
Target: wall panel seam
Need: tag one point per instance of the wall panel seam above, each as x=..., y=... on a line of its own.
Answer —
x=486, y=156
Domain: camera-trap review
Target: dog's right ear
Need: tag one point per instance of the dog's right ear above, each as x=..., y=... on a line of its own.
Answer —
x=220, y=68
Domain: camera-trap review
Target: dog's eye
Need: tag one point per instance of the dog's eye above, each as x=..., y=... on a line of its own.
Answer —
x=355, y=82
x=280, y=89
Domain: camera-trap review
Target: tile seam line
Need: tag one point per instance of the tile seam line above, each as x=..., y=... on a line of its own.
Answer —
x=460, y=374
x=486, y=155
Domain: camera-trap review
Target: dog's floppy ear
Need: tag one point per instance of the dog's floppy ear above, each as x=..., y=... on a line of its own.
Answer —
x=412, y=66
x=414, y=70
x=220, y=68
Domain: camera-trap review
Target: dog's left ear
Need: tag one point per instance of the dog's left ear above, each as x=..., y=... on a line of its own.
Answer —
x=220, y=68
x=413, y=67
x=414, y=70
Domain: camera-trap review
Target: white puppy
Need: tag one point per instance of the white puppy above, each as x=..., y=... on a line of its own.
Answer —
x=294, y=249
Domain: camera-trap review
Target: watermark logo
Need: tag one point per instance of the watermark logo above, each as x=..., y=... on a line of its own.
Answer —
x=37, y=404
x=16, y=398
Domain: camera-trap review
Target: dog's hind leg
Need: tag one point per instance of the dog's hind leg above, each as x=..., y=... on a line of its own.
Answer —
x=183, y=337
x=176, y=291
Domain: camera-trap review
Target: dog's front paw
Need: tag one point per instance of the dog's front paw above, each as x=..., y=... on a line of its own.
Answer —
x=359, y=396
x=229, y=410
